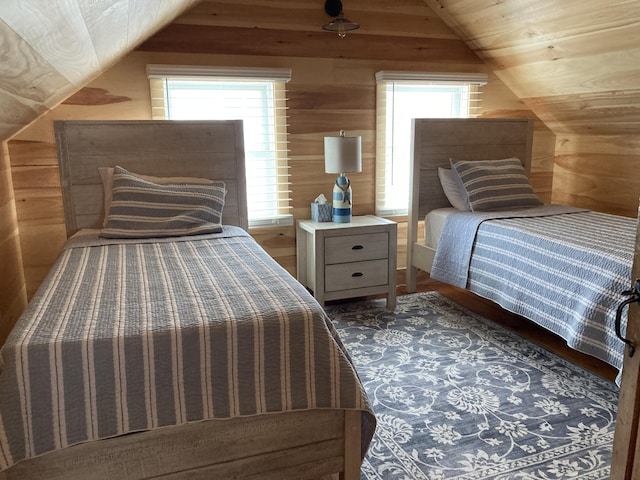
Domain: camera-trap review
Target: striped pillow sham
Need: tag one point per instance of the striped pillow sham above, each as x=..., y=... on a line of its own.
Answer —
x=144, y=209
x=106, y=176
x=493, y=185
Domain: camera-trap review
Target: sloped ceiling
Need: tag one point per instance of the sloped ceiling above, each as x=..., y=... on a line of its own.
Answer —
x=49, y=50
x=575, y=63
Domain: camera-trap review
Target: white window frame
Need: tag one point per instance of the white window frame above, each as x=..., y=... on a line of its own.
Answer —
x=266, y=143
x=393, y=135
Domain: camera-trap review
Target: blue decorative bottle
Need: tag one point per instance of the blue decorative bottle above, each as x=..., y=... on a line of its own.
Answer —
x=342, y=200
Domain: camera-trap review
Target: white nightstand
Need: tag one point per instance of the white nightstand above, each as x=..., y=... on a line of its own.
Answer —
x=344, y=260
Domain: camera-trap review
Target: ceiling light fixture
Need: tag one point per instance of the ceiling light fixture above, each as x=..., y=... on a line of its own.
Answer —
x=339, y=24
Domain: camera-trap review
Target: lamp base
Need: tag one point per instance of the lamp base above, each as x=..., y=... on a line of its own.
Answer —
x=342, y=200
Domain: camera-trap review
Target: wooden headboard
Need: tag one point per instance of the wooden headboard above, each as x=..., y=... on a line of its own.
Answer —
x=435, y=141
x=208, y=149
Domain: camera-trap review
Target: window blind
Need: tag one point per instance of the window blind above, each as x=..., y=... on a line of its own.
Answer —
x=401, y=96
x=257, y=96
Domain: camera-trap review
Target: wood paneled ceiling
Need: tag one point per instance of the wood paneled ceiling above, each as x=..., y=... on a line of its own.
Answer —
x=575, y=63
x=49, y=50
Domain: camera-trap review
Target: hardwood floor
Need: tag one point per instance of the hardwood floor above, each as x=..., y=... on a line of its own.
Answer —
x=515, y=323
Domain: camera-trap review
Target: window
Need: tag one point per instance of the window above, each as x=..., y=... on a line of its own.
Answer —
x=258, y=98
x=402, y=96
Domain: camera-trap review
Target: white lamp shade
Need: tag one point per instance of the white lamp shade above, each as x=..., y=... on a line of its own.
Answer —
x=342, y=154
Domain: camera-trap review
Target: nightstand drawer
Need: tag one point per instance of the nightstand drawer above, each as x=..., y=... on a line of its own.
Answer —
x=356, y=248
x=345, y=276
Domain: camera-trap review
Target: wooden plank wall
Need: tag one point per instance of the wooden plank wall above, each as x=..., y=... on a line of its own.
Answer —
x=13, y=295
x=598, y=167
x=332, y=88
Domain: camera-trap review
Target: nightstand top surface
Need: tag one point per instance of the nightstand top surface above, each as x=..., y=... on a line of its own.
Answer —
x=359, y=221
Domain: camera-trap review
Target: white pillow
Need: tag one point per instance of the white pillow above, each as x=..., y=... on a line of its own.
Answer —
x=452, y=189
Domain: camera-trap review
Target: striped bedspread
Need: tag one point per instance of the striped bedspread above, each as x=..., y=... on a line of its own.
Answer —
x=126, y=336
x=563, y=271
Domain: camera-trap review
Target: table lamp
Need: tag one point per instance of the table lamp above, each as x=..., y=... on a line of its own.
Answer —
x=342, y=155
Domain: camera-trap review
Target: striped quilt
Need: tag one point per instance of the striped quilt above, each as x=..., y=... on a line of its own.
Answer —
x=564, y=271
x=128, y=335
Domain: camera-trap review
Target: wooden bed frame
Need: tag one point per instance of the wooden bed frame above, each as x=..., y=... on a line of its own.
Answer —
x=434, y=142
x=301, y=444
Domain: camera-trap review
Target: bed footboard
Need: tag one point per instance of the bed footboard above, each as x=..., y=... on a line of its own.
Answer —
x=303, y=445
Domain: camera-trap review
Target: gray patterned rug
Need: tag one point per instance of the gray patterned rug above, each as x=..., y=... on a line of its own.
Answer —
x=458, y=397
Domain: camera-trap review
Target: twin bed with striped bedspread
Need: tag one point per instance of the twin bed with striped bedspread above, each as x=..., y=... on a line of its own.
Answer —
x=562, y=267
x=131, y=335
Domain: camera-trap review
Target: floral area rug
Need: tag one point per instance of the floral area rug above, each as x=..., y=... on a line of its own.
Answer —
x=458, y=397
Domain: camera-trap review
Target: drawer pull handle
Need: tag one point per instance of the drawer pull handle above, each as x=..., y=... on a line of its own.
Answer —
x=357, y=247
x=357, y=274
